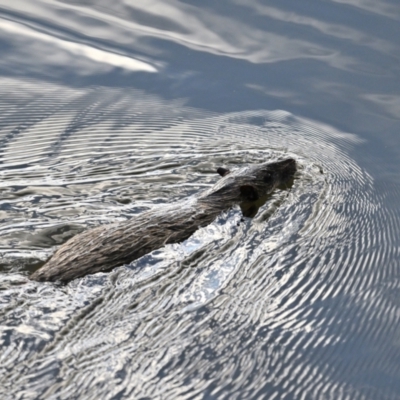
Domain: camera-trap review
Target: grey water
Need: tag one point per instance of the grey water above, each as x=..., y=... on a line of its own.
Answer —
x=108, y=109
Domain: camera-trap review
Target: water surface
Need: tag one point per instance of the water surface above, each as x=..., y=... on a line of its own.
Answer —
x=108, y=110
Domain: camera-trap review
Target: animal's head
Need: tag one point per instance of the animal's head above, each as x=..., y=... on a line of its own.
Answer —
x=250, y=183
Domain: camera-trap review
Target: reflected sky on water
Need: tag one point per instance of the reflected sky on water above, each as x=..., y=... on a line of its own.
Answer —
x=110, y=108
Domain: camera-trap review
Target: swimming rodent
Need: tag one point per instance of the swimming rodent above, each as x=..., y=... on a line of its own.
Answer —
x=109, y=246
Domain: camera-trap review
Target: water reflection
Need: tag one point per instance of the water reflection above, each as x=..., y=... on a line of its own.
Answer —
x=45, y=51
x=385, y=8
x=88, y=30
x=321, y=62
x=110, y=109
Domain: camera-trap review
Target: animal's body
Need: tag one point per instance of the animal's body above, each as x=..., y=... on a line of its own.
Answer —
x=109, y=246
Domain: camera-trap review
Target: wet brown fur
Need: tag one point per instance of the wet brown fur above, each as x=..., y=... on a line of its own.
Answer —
x=109, y=246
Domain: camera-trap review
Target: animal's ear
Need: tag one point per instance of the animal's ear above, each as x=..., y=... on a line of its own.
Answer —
x=249, y=192
x=223, y=171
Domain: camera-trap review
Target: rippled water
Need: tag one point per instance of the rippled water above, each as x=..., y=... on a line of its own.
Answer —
x=103, y=115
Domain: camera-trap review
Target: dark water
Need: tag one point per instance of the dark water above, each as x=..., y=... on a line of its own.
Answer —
x=108, y=109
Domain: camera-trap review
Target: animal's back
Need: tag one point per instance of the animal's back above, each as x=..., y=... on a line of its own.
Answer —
x=108, y=246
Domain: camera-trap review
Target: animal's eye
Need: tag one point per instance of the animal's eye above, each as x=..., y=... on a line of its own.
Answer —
x=268, y=178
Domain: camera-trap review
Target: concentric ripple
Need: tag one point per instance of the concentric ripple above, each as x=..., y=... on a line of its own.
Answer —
x=263, y=308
